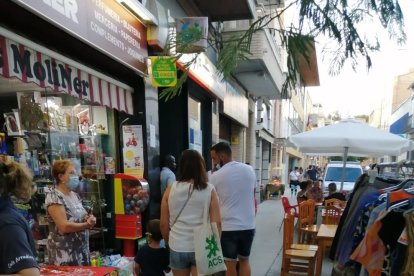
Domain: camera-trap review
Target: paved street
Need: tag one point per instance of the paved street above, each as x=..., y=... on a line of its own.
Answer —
x=266, y=254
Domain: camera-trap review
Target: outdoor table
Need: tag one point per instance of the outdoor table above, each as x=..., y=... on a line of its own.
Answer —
x=324, y=237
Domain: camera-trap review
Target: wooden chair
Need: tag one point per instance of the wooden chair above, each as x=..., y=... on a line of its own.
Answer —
x=296, y=261
x=288, y=209
x=335, y=202
x=307, y=230
x=332, y=215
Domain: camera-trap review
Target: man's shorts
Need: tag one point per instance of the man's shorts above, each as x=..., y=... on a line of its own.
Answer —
x=237, y=244
x=293, y=183
x=181, y=260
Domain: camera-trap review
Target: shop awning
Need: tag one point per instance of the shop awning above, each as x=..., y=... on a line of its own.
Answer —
x=32, y=63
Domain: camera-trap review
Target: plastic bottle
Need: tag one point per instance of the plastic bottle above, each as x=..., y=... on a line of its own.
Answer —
x=93, y=262
x=99, y=261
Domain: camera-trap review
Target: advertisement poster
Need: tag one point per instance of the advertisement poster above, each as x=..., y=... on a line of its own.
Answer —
x=133, y=150
x=109, y=165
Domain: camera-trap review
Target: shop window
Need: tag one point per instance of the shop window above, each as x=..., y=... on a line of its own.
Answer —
x=194, y=123
x=43, y=126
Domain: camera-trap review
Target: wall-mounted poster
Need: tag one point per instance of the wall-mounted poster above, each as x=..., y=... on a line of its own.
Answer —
x=100, y=119
x=13, y=123
x=133, y=150
x=83, y=113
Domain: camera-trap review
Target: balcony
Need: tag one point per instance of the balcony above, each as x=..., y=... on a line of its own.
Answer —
x=220, y=10
x=261, y=74
x=409, y=125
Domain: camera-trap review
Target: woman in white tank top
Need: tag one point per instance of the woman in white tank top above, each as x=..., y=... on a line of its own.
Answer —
x=182, y=210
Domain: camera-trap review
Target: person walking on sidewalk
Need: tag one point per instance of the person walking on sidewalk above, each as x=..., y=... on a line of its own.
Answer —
x=235, y=183
x=182, y=210
x=294, y=180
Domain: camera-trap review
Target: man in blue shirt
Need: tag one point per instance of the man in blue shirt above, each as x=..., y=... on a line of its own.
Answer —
x=167, y=176
x=312, y=173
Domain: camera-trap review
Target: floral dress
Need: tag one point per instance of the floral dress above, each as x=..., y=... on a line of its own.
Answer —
x=70, y=249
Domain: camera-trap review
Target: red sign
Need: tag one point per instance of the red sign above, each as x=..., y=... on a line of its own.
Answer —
x=104, y=24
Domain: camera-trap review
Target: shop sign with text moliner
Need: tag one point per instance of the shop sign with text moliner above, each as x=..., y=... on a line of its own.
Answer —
x=104, y=24
x=31, y=66
x=164, y=71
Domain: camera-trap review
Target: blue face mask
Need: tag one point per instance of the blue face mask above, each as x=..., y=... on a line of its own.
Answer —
x=73, y=182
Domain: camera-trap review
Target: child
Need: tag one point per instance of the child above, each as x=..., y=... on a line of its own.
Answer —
x=152, y=259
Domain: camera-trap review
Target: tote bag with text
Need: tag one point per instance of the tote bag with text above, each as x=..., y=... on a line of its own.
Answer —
x=208, y=253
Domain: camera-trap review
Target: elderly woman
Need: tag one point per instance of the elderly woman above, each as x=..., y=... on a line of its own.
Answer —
x=68, y=241
x=182, y=210
x=17, y=251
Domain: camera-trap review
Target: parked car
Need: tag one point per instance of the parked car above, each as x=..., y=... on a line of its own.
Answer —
x=333, y=173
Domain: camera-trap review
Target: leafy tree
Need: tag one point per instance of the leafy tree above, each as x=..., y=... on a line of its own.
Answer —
x=338, y=20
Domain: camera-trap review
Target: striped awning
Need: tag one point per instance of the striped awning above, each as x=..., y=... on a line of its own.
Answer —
x=36, y=64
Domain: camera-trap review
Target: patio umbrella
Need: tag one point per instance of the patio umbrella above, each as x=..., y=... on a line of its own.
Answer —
x=350, y=137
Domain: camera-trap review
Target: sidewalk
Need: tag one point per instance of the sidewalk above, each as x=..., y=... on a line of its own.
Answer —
x=266, y=254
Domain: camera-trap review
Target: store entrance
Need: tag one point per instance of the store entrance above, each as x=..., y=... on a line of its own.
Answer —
x=39, y=126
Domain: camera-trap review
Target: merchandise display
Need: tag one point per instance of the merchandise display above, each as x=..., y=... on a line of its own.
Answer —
x=42, y=129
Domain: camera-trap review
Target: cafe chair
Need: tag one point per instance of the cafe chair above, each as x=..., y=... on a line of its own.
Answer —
x=296, y=261
x=335, y=202
x=288, y=209
x=307, y=230
x=331, y=215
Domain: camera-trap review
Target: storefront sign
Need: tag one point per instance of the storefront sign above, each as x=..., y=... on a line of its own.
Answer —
x=189, y=29
x=164, y=72
x=47, y=71
x=104, y=24
x=204, y=72
x=235, y=104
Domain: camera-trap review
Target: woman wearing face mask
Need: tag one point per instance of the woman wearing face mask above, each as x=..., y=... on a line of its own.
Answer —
x=68, y=241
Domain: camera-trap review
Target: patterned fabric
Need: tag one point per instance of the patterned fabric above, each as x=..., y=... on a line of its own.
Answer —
x=363, y=222
x=371, y=251
x=73, y=248
x=345, y=244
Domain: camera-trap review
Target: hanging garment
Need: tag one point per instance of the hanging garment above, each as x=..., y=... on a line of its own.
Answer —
x=408, y=269
x=353, y=200
x=393, y=225
x=371, y=251
x=344, y=249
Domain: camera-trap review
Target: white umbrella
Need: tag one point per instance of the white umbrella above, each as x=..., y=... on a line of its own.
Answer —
x=350, y=137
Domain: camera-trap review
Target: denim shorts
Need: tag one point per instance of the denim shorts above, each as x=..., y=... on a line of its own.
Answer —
x=181, y=260
x=237, y=244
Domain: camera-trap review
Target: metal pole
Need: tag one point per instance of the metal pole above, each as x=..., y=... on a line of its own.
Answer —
x=344, y=168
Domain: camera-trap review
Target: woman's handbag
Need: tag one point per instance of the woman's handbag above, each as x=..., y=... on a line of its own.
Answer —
x=208, y=253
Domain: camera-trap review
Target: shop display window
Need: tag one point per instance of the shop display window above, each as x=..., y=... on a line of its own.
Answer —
x=43, y=126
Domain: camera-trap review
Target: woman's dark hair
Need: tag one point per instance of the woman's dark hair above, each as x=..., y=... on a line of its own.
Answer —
x=153, y=228
x=15, y=180
x=192, y=167
x=303, y=185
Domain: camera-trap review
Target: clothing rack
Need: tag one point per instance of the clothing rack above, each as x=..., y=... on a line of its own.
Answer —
x=397, y=170
x=370, y=227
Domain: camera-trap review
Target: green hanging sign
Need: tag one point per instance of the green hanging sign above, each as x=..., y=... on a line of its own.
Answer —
x=164, y=71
